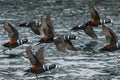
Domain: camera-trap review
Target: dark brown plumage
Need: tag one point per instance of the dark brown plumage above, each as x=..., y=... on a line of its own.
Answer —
x=38, y=61
x=62, y=44
x=87, y=27
x=12, y=34
x=111, y=38
x=48, y=30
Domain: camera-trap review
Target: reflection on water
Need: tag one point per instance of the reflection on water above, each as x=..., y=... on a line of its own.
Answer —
x=79, y=65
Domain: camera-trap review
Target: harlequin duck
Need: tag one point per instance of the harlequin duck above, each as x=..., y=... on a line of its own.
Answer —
x=63, y=42
x=36, y=27
x=87, y=27
x=14, y=36
x=48, y=30
x=111, y=38
x=38, y=62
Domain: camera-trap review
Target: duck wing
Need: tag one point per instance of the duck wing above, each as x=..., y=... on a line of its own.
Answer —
x=111, y=37
x=60, y=44
x=12, y=31
x=31, y=56
x=50, y=25
x=40, y=55
x=43, y=27
x=69, y=45
x=90, y=32
x=35, y=27
x=94, y=12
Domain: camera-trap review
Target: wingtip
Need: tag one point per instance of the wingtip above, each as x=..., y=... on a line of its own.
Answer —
x=42, y=47
x=76, y=28
x=95, y=38
x=48, y=16
x=91, y=3
x=101, y=50
x=26, y=72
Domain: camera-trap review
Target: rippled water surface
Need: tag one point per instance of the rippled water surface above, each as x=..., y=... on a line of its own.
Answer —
x=85, y=64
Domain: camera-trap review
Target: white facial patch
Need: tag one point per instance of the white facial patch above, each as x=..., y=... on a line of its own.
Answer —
x=79, y=25
x=55, y=37
x=45, y=67
x=111, y=20
x=102, y=21
x=39, y=23
x=27, y=23
x=66, y=37
x=117, y=45
x=19, y=42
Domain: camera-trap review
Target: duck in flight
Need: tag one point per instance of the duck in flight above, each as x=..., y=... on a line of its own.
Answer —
x=48, y=29
x=44, y=27
x=38, y=62
x=111, y=38
x=14, y=37
x=62, y=42
x=36, y=27
x=87, y=27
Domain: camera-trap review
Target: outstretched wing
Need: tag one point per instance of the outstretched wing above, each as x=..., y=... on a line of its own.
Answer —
x=50, y=26
x=12, y=32
x=43, y=26
x=34, y=27
x=69, y=45
x=60, y=44
x=40, y=55
x=31, y=56
x=94, y=12
x=90, y=32
x=111, y=37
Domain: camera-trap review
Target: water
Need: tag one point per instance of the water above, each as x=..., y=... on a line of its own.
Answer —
x=86, y=64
